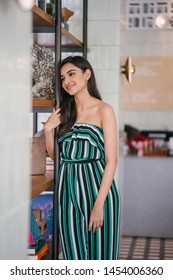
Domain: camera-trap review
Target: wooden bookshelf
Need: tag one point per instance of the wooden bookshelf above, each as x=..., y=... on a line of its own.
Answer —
x=42, y=19
x=41, y=183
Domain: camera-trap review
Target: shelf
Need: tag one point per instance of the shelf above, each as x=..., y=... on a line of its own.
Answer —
x=42, y=22
x=42, y=105
x=40, y=18
x=41, y=183
x=42, y=102
x=69, y=39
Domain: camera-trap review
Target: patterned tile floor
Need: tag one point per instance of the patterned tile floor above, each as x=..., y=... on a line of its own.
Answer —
x=145, y=248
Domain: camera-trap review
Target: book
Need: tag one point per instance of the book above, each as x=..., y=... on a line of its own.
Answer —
x=33, y=249
x=34, y=231
x=44, y=202
x=49, y=164
x=41, y=253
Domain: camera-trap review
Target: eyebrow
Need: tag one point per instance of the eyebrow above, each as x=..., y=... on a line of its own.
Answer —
x=69, y=72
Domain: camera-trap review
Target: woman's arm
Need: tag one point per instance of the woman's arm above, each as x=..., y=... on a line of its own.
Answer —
x=53, y=121
x=109, y=125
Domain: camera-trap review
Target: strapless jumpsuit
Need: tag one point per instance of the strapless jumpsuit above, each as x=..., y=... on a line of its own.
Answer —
x=82, y=163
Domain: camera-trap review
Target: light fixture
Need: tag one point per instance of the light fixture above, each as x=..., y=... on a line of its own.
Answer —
x=26, y=5
x=162, y=21
x=128, y=69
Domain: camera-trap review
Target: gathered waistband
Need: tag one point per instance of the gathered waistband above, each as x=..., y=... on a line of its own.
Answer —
x=79, y=161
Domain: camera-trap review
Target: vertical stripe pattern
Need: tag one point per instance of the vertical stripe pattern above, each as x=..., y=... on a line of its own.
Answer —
x=82, y=164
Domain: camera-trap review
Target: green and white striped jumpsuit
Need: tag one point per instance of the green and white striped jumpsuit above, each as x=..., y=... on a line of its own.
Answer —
x=82, y=163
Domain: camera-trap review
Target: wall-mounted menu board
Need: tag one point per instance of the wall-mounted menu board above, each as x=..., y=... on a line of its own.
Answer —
x=142, y=14
x=152, y=85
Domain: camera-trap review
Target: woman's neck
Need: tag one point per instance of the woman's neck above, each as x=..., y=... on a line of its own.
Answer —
x=83, y=102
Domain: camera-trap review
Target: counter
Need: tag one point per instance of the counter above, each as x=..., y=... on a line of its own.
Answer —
x=147, y=200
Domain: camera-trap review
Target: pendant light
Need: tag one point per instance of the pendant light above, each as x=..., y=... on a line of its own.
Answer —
x=26, y=5
x=162, y=21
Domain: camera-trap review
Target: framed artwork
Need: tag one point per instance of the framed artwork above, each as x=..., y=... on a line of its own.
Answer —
x=42, y=206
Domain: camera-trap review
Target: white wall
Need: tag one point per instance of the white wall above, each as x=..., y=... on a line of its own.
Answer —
x=104, y=47
x=14, y=123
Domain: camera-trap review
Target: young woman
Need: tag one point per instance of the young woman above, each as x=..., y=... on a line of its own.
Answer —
x=88, y=200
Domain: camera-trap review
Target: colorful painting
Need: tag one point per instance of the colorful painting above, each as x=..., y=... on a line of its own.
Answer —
x=44, y=202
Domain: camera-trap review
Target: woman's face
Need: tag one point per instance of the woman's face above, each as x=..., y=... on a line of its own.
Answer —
x=73, y=79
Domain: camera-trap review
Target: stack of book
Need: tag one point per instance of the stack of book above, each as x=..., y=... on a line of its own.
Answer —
x=38, y=251
x=49, y=164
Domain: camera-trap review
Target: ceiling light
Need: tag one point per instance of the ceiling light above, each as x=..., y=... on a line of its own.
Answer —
x=26, y=5
x=163, y=21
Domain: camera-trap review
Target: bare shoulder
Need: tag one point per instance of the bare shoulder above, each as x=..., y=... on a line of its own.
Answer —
x=106, y=109
x=107, y=115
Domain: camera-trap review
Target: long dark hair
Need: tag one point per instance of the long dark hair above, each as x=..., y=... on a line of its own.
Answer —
x=67, y=102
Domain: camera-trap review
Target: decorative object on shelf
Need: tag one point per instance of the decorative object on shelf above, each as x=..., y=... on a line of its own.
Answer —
x=50, y=9
x=42, y=4
x=43, y=72
x=38, y=155
x=66, y=14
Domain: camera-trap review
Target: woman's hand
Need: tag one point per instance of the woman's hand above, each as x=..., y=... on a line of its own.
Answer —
x=53, y=120
x=96, y=218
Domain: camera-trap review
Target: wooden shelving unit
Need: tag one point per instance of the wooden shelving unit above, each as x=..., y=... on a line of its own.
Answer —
x=64, y=42
x=41, y=19
x=41, y=183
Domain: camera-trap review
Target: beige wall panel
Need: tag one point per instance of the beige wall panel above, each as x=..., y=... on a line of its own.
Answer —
x=152, y=85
